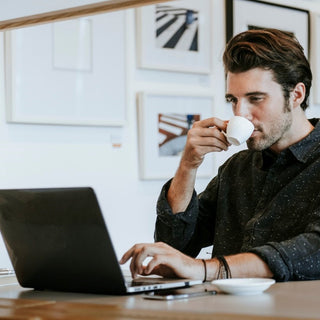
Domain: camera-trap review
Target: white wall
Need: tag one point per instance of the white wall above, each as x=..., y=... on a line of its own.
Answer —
x=56, y=156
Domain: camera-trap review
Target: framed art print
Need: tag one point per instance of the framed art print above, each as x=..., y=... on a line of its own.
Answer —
x=243, y=15
x=175, y=36
x=76, y=77
x=164, y=121
x=315, y=58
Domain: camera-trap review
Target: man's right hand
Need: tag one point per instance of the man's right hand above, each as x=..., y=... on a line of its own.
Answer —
x=204, y=137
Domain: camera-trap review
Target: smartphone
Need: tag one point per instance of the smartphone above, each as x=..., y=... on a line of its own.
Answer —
x=174, y=294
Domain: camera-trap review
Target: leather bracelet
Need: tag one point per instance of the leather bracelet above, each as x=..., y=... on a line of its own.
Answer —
x=224, y=269
x=205, y=270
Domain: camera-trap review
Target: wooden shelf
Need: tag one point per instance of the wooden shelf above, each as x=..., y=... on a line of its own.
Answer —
x=75, y=12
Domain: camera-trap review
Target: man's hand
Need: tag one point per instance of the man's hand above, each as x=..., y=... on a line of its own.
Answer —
x=205, y=136
x=165, y=261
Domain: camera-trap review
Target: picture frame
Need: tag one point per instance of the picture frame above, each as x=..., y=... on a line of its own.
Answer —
x=163, y=122
x=243, y=15
x=315, y=59
x=175, y=36
x=68, y=81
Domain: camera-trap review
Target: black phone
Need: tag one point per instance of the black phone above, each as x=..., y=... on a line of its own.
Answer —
x=173, y=294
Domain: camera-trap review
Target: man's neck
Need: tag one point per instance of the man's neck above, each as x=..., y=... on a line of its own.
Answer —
x=300, y=128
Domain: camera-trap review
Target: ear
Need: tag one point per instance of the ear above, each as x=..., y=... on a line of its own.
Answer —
x=298, y=94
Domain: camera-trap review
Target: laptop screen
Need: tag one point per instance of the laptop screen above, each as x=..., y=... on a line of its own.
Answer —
x=57, y=239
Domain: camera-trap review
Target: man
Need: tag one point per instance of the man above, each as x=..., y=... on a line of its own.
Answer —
x=262, y=211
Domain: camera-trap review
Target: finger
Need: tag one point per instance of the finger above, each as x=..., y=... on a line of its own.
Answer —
x=214, y=143
x=209, y=149
x=212, y=122
x=132, y=254
x=127, y=255
x=133, y=269
x=165, y=266
x=208, y=132
x=211, y=132
x=196, y=132
x=140, y=254
x=211, y=139
x=164, y=271
x=154, y=263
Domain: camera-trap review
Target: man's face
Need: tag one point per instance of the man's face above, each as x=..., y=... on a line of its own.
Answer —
x=256, y=96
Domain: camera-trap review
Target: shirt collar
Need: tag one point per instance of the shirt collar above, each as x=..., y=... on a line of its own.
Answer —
x=305, y=148
x=301, y=150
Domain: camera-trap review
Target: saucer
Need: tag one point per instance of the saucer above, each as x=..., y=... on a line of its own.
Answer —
x=243, y=286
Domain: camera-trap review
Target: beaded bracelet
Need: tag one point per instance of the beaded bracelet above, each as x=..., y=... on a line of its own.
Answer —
x=224, y=269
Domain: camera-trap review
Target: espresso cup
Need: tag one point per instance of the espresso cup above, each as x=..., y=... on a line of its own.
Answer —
x=239, y=130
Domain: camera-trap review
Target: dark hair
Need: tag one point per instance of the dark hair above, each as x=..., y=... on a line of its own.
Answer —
x=274, y=50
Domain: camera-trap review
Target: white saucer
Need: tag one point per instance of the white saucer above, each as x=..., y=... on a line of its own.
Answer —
x=244, y=286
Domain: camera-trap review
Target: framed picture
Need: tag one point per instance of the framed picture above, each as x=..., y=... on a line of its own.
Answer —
x=164, y=120
x=68, y=72
x=175, y=36
x=315, y=59
x=251, y=14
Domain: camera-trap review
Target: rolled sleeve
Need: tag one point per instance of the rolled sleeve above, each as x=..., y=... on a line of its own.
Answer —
x=294, y=259
x=175, y=229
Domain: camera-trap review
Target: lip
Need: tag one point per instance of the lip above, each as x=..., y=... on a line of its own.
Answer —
x=255, y=132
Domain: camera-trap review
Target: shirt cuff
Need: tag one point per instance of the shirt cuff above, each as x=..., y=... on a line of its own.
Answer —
x=165, y=212
x=276, y=261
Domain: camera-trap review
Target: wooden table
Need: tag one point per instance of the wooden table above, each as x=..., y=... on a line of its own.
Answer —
x=291, y=300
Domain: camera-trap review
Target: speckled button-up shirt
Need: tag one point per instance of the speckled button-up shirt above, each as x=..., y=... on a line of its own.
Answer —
x=259, y=202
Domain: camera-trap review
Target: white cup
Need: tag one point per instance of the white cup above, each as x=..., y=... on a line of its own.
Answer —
x=239, y=130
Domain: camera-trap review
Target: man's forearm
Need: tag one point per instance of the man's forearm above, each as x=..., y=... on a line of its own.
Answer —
x=181, y=189
x=242, y=265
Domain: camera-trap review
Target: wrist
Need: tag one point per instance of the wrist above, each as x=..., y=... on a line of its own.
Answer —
x=190, y=165
x=217, y=268
x=224, y=269
x=209, y=269
x=187, y=168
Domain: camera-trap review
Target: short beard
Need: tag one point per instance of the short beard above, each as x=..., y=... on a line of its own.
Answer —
x=277, y=131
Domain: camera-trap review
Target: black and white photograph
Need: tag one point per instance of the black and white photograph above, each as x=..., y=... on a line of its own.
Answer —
x=175, y=36
x=242, y=15
x=315, y=57
x=176, y=28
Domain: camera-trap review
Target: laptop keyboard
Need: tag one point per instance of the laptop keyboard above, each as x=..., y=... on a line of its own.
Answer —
x=142, y=281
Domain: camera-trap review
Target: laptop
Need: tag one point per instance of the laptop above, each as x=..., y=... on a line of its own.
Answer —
x=57, y=239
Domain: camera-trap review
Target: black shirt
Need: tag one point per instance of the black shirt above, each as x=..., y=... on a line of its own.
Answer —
x=259, y=202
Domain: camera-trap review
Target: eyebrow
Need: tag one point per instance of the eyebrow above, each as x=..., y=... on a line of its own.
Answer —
x=256, y=93
x=253, y=93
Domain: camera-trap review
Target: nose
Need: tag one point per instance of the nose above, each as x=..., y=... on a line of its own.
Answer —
x=242, y=109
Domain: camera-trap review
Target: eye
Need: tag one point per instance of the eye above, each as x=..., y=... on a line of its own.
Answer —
x=232, y=100
x=255, y=99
